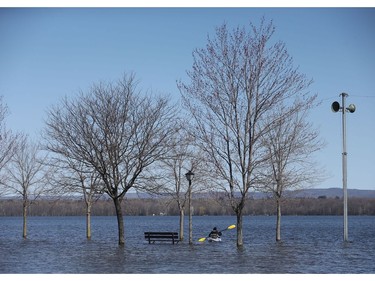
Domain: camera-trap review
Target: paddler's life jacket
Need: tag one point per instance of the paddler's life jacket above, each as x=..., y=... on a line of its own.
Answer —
x=214, y=235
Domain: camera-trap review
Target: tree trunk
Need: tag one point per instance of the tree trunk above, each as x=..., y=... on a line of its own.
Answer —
x=239, y=228
x=24, y=214
x=181, y=224
x=120, y=221
x=88, y=220
x=278, y=220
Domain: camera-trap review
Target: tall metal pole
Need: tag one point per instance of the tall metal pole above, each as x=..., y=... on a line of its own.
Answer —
x=344, y=167
x=351, y=108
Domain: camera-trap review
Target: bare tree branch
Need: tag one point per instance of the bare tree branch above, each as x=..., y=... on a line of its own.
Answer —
x=7, y=145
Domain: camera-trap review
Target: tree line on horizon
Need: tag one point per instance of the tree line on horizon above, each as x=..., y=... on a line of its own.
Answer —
x=321, y=206
x=242, y=125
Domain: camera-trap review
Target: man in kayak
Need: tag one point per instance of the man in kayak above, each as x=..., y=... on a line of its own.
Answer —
x=215, y=233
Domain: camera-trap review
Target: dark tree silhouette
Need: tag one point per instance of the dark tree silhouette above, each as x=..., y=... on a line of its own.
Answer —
x=116, y=131
x=288, y=148
x=235, y=83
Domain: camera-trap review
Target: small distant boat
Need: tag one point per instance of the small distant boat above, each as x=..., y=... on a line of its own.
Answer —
x=217, y=239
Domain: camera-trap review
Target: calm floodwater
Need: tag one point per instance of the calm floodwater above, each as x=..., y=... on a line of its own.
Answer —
x=310, y=244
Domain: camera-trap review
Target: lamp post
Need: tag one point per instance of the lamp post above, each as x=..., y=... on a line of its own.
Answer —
x=351, y=108
x=189, y=176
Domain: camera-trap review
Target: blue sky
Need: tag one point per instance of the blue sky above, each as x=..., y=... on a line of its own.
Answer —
x=46, y=54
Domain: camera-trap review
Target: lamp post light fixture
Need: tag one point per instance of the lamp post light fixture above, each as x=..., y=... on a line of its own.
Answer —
x=351, y=108
x=189, y=176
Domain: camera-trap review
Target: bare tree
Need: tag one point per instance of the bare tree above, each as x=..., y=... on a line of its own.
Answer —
x=92, y=189
x=235, y=82
x=27, y=174
x=183, y=157
x=7, y=145
x=174, y=168
x=116, y=131
x=73, y=178
x=289, y=145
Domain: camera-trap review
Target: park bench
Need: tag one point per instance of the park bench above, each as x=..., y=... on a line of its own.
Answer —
x=162, y=236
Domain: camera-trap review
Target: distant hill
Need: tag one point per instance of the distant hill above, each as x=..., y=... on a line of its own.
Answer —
x=323, y=192
x=334, y=192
